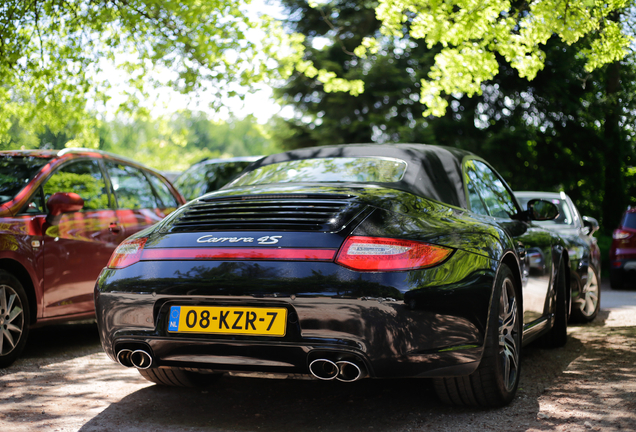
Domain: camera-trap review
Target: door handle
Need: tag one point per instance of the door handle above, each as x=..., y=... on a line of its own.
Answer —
x=114, y=228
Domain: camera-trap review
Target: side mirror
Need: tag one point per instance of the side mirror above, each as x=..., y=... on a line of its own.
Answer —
x=542, y=210
x=590, y=224
x=60, y=203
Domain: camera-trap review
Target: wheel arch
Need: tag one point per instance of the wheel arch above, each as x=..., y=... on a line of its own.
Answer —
x=22, y=274
x=560, y=256
x=565, y=258
x=511, y=261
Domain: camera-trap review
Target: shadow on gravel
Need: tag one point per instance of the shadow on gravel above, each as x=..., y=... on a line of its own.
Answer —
x=598, y=389
x=51, y=344
x=242, y=404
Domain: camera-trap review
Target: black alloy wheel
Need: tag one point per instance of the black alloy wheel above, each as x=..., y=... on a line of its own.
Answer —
x=495, y=381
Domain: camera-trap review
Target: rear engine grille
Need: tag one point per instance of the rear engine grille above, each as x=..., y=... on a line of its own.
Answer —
x=281, y=212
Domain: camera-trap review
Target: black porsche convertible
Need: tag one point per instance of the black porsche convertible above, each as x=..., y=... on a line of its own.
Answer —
x=343, y=262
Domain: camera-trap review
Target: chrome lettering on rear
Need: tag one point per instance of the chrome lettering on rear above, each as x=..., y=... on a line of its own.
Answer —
x=269, y=239
x=265, y=240
x=212, y=239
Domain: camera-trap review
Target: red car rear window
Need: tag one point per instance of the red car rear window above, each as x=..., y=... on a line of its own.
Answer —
x=629, y=221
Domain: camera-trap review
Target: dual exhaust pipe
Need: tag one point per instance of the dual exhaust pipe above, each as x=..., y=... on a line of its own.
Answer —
x=342, y=370
x=137, y=358
x=323, y=369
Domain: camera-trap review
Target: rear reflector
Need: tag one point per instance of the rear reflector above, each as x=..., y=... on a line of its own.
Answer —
x=385, y=254
x=285, y=254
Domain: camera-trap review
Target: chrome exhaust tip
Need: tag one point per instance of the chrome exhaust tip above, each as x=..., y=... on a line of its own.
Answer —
x=324, y=369
x=123, y=357
x=348, y=371
x=140, y=359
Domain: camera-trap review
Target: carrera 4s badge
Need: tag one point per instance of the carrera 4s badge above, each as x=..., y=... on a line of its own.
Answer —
x=265, y=240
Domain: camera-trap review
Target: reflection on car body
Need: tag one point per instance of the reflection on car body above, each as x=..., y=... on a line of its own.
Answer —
x=584, y=254
x=397, y=260
x=63, y=213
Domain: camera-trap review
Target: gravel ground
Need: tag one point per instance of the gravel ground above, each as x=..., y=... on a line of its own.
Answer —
x=65, y=383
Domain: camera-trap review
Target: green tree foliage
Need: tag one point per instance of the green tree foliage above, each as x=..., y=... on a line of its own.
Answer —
x=388, y=110
x=552, y=133
x=546, y=134
x=167, y=143
x=55, y=55
x=235, y=137
x=473, y=34
x=175, y=143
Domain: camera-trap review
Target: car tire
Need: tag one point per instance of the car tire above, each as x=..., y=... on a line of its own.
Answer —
x=591, y=296
x=179, y=377
x=14, y=318
x=495, y=381
x=558, y=334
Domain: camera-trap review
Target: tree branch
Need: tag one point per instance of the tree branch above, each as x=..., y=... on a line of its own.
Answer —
x=337, y=30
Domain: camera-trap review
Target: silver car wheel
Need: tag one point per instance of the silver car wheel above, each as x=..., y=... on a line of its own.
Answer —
x=590, y=294
x=509, y=337
x=11, y=319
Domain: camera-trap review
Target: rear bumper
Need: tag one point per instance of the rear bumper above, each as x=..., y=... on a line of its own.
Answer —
x=393, y=324
x=624, y=269
x=623, y=261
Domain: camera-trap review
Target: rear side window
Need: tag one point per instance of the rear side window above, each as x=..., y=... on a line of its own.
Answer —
x=629, y=221
x=486, y=191
x=131, y=187
x=167, y=199
x=85, y=179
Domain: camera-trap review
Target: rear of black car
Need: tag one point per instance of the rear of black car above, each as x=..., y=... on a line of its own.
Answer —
x=302, y=281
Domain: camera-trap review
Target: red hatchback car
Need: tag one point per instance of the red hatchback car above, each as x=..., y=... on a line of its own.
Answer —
x=623, y=251
x=62, y=213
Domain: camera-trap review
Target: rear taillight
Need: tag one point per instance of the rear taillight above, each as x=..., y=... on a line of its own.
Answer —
x=620, y=234
x=385, y=254
x=127, y=253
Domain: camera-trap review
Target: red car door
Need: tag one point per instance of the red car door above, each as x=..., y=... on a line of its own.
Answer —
x=78, y=246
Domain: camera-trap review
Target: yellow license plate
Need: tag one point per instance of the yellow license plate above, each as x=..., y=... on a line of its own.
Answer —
x=254, y=321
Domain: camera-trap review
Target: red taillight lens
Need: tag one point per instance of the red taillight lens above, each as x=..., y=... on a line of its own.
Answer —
x=620, y=234
x=127, y=253
x=385, y=254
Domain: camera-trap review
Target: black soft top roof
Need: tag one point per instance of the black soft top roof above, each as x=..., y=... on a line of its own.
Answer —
x=432, y=171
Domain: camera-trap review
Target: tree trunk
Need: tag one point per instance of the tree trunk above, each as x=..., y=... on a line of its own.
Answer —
x=614, y=199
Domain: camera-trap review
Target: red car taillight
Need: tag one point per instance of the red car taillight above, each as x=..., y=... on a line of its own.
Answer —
x=386, y=254
x=621, y=234
x=127, y=253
